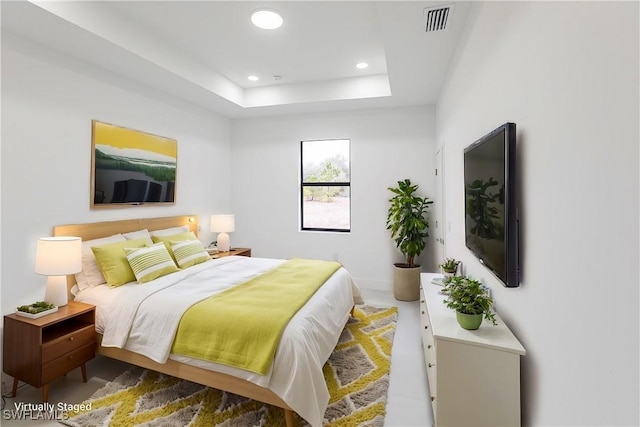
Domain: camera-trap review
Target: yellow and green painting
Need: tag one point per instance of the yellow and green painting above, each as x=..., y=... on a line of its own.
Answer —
x=132, y=167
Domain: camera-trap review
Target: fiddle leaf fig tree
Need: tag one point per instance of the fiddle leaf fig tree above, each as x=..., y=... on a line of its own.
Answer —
x=407, y=220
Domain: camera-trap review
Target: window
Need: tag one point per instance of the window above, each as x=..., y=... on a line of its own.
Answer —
x=325, y=199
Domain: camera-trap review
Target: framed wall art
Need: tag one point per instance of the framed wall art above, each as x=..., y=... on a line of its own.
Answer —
x=130, y=167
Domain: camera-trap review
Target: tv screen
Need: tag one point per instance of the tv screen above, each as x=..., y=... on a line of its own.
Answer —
x=131, y=167
x=491, y=218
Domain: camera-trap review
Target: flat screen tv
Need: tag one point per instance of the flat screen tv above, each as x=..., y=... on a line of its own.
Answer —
x=491, y=208
x=131, y=167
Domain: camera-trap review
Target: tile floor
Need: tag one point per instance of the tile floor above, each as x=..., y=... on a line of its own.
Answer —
x=407, y=403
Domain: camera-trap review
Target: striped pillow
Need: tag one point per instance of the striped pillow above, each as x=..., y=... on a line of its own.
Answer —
x=150, y=262
x=189, y=252
x=174, y=237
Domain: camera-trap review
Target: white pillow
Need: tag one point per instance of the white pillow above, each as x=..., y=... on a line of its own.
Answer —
x=140, y=234
x=169, y=231
x=91, y=275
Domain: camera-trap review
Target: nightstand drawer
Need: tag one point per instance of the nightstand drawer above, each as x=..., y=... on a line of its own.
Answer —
x=73, y=340
x=66, y=363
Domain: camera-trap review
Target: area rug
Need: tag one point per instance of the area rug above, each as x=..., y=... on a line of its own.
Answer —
x=357, y=375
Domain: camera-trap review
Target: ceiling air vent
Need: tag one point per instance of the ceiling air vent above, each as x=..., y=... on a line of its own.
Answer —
x=436, y=18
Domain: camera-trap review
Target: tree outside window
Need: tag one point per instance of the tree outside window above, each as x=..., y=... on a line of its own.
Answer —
x=325, y=185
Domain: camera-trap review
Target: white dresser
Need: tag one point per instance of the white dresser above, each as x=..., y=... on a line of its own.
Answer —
x=474, y=376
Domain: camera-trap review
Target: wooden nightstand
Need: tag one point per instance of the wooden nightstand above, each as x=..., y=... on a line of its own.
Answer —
x=37, y=351
x=233, y=251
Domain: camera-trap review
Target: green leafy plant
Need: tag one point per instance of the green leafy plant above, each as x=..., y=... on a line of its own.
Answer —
x=407, y=220
x=36, y=307
x=450, y=265
x=468, y=296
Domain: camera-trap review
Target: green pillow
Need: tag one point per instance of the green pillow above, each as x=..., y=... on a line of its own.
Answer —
x=113, y=263
x=189, y=252
x=150, y=262
x=174, y=237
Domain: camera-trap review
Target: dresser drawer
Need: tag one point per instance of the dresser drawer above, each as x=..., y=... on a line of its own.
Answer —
x=53, y=349
x=425, y=323
x=66, y=363
x=432, y=375
x=428, y=344
x=429, y=356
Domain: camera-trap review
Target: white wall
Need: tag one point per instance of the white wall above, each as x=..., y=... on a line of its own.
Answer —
x=386, y=146
x=48, y=102
x=567, y=75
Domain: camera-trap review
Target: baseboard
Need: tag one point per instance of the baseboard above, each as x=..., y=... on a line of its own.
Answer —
x=373, y=284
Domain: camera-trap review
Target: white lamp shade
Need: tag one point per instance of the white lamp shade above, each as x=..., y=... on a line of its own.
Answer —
x=58, y=256
x=223, y=223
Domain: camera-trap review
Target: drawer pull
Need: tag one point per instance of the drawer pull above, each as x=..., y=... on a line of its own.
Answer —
x=422, y=301
x=433, y=398
x=431, y=365
x=429, y=346
x=71, y=338
x=426, y=327
x=422, y=311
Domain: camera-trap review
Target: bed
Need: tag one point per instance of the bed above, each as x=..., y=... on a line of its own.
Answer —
x=300, y=389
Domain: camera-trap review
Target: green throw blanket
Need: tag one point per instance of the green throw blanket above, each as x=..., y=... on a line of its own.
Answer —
x=241, y=326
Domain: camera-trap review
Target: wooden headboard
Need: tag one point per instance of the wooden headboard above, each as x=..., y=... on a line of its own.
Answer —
x=95, y=230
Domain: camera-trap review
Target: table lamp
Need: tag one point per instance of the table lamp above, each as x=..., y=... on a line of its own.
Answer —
x=56, y=257
x=223, y=224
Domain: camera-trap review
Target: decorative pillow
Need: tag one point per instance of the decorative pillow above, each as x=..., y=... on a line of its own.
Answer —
x=150, y=262
x=140, y=234
x=174, y=237
x=113, y=261
x=169, y=231
x=189, y=252
x=91, y=276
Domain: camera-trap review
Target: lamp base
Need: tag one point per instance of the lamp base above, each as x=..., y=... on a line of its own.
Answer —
x=56, y=292
x=224, y=243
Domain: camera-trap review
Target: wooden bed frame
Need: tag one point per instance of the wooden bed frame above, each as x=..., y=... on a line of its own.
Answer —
x=202, y=376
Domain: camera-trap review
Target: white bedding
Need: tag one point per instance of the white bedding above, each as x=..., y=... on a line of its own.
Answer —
x=144, y=319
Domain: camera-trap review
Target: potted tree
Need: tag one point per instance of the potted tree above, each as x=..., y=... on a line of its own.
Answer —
x=470, y=300
x=409, y=228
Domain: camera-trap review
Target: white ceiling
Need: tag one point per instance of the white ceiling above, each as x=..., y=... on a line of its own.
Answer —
x=203, y=51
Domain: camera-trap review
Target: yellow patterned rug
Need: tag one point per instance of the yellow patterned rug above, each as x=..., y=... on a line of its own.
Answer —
x=357, y=375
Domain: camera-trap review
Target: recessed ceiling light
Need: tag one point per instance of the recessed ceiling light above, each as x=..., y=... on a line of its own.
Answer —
x=266, y=19
x=253, y=78
x=362, y=65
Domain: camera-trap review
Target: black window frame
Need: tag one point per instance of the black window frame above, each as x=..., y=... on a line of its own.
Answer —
x=323, y=184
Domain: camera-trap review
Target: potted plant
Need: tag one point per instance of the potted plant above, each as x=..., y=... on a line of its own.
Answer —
x=449, y=267
x=409, y=228
x=470, y=300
